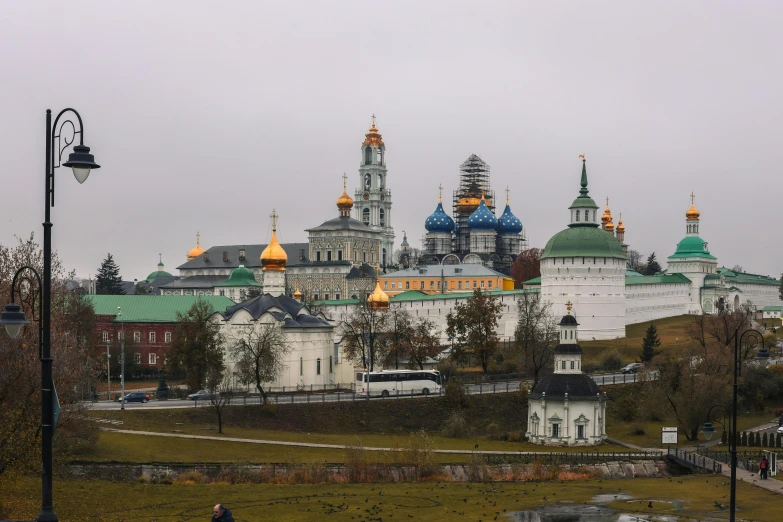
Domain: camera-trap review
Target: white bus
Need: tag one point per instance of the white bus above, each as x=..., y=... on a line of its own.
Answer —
x=398, y=382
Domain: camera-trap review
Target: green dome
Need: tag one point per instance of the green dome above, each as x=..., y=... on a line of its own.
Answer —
x=583, y=241
x=241, y=276
x=692, y=246
x=156, y=274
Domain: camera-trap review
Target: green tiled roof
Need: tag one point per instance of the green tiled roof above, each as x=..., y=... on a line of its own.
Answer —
x=156, y=274
x=692, y=246
x=656, y=279
x=775, y=308
x=153, y=308
x=534, y=281
x=629, y=272
x=748, y=279
x=415, y=295
x=583, y=242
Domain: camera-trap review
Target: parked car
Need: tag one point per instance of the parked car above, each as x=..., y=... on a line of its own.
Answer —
x=631, y=368
x=780, y=429
x=199, y=395
x=135, y=397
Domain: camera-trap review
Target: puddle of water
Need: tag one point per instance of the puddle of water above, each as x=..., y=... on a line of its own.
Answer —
x=610, y=497
x=586, y=513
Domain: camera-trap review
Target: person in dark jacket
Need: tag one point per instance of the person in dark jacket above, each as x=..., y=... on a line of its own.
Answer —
x=221, y=514
x=764, y=467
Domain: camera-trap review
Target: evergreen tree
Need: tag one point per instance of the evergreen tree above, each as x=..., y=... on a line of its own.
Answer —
x=108, y=280
x=780, y=290
x=140, y=289
x=764, y=440
x=652, y=265
x=650, y=343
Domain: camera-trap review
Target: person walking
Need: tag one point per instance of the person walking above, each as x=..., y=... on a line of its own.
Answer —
x=221, y=514
x=764, y=467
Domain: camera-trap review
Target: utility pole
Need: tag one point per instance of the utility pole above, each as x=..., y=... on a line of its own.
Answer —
x=108, y=371
x=122, y=358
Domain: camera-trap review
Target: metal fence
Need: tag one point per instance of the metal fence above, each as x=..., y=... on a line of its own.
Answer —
x=563, y=457
x=745, y=459
x=696, y=460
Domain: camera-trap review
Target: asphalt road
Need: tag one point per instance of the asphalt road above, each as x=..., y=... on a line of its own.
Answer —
x=300, y=398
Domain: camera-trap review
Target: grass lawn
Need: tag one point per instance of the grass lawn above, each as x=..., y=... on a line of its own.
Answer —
x=672, y=331
x=77, y=500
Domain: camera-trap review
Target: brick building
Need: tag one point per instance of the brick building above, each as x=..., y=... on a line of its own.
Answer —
x=149, y=323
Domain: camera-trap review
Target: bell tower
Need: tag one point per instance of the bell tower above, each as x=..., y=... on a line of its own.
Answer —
x=373, y=200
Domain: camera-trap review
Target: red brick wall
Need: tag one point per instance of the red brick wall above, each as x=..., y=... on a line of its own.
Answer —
x=144, y=347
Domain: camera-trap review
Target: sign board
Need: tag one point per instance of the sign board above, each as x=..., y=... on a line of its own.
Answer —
x=669, y=435
x=55, y=408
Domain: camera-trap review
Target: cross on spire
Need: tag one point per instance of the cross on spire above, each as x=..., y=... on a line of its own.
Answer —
x=198, y=238
x=273, y=216
x=160, y=258
x=607, y=201
x=692, y=196
x=507, y=192
x=568, y=307
x=345, y=182
x=440, y=193
x=373, y=119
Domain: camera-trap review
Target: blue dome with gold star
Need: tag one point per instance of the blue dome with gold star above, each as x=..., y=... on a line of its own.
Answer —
x=508, y=223
x=439, y=221
x=482, y=218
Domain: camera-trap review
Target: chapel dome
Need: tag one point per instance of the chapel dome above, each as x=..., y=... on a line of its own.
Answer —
x=158, y=273
x=482, y=218
x=692, y=246
x=583, y=242
x=692, y=214
x=508, y=223
x=373, y=137
x=439, y=221
x=241, y=276
x=620, y=226
x=196, y=250
x=578, y=386
x=345, y=202
x=378, y=298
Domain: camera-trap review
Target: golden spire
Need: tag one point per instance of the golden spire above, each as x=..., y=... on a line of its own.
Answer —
x=507, y=191
x=378, y=298
x=607, y=217
x=568, y=306
x=692, y=214
x=373, y=137
x=620, y=226
x=440, y=193
x=274, y=257
x=344, y=202
x=197, y=250
x=297, y=294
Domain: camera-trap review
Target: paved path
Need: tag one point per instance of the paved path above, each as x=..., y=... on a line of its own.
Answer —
x=334, y=446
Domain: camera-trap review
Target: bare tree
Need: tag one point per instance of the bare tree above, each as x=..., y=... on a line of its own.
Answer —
x=219, y=388
x=259, y=351
x=537, y=335
x=635, y=261
x=399, y=336
x=365, y=332
x=424, y=343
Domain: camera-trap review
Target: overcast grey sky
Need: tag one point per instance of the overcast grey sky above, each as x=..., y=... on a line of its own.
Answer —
x=206, y=115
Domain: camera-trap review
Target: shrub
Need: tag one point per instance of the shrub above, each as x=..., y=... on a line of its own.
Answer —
x=611, y=360
x=627, y=407
x=764, y=440
x=493, y=431
x=455, y=394
x=269, y=409
x=419, y=453
x=456, y=426
x=743, y=439
x=724, y=437
x=189, y=477
x=638, y=430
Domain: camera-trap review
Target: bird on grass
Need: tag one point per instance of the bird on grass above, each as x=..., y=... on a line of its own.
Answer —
x=649, y=504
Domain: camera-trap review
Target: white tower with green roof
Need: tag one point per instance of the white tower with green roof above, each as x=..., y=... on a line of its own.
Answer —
x=586, y=266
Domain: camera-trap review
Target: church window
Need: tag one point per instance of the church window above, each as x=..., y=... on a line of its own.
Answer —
x=587, y=215
x=366, y=216
x=438, y=285
x=385, y=285
x=367, y=156
x=383, y=217
x=384, y=257
x=380, y=159
x=421, y=285
x=231, y=293
x=562, y=365
x=318, y=256
x=459, y=285
x=318, y=366
x=339, y=255
x=490, y=284
x=364, y=257
x=331, y=369
x=315, y=297
x=572, y=365
x=223, y=293
x=572, y=334
x=474, y=284
x=326, y=297
x=301, y=366
x=482, y=284
x=577, y=215
x=328, y=255
x=393, y=285
x=407, y=285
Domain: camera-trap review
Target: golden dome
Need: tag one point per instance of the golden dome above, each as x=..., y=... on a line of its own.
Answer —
x=607, y=217
x=274, y=257
x=373, y=137
x=298, y=295
x=378, y=298
x=692, y=214
x=609, y=226
x=620, y=226
x=345, y=202
x=197, y=250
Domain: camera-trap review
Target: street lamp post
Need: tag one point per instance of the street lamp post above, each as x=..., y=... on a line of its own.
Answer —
x=122, y=358
x=108, y=371
x=81, y=162
x=723, y=415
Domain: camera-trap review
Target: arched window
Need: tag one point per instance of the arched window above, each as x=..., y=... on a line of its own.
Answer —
x=301, y=366
x=572, y=365
x=563, y=365
x=367, y=156
x=383, y=217
x=572, y=334
x=380, y=158
x=330, y=365
x=380, y=176
x=577, y=215
x=587, y=215
x=318, y=366
x=384, y=257
x=366, y=216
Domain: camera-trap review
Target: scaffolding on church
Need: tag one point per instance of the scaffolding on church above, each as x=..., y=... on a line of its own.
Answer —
x=473, y=184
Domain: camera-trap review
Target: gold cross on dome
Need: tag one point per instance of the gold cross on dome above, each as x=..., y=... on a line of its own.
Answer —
x=198, y=238
x=373, y=119
x=345, y=182
x=507, y=192
x=440, y=193
x=273, y=216
x=568, y=307
x=582, y=156
x=692, y=196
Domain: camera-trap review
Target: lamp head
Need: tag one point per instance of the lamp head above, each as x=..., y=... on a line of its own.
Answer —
x=81, y=161
x=13, y=319
x=708, y=430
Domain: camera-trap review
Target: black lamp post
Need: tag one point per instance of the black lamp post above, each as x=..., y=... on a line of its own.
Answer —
x=82, y=162
x=723, y=415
